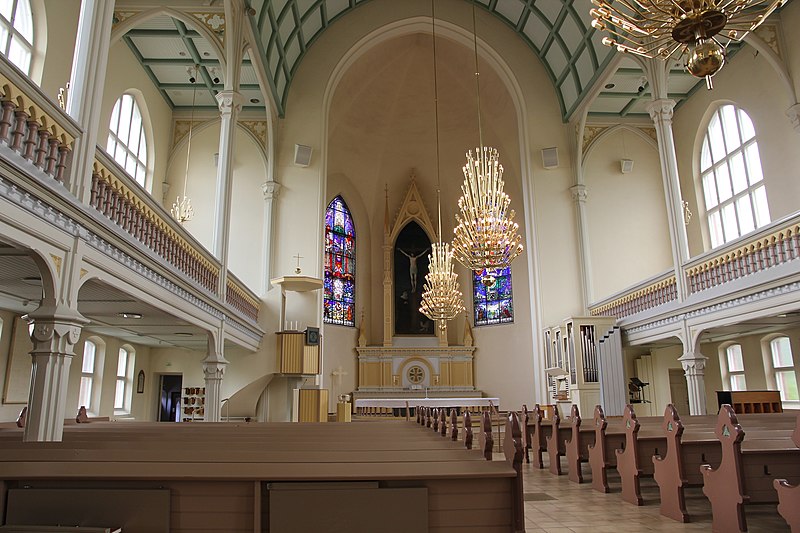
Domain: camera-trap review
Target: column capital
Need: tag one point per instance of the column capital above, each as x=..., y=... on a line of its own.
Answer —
x=214, y=368
x=271, y=189
x=661, y=109
x=55, y=331
x=794, y=116
x=693, y=363
x=579, y=193
x=228, y=101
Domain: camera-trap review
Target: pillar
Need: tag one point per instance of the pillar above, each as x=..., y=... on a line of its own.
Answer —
x=579, y=195
x=213, y=371
x=87, y=82
x=694, y=366
x=230, y=104
x=661, y=112
x=54, y=335
x=271, y=191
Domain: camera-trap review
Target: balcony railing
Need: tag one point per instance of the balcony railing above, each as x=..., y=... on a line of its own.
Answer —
x=32, y=125
x=240, y=298
x=773, y=245
x=646, y=295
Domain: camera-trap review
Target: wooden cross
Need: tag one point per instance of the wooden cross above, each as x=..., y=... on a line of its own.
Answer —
x=298, y=257
x=337, y=375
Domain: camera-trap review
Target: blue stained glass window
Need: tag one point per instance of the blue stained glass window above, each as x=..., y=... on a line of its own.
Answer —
x=493, y=304
x=340, y=264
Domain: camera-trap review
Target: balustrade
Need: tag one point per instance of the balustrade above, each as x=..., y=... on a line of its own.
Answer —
x=638, y=300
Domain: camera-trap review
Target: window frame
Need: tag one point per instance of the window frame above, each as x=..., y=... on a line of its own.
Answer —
x=716, y=177
x=329, y=272
x=16, y=36
x=89, y=374
x=771, y=370
x=725, y=369
x=124, y=378
x=121, y=151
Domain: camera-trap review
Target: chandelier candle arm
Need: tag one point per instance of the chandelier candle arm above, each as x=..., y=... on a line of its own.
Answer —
x=699, y=31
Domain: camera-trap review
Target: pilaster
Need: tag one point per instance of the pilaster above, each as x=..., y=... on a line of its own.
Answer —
x=87, y=83
x=54, y=335
x=271, y=190
x=580, y=195
x=661, y=113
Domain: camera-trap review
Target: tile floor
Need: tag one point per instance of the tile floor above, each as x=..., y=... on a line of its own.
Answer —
x=557, y=505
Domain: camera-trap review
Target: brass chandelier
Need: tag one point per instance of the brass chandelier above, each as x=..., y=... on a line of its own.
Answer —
x=441, y=297
x=486, y=237
x=182, y=210
x=700, y=30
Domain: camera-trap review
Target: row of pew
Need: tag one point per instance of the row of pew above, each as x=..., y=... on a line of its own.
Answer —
x=236, y=477
x=708, y=451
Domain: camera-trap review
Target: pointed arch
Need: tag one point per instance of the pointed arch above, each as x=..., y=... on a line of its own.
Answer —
x=340, y=265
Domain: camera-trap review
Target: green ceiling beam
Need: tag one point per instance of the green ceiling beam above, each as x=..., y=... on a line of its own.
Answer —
x=196, y=57
x=147, y=70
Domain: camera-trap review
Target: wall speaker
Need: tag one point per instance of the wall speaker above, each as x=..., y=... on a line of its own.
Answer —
x=312, y=336
x=302, y=155
x=626, y=165
x=550, y=158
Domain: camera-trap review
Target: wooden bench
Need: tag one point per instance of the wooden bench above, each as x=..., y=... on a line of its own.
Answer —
x=747, y=470
x=788, y=494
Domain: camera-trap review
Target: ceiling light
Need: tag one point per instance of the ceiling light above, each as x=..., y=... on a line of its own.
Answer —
x=610, y=85
x=33, y=281
x=698, y=31
x=130, y=315
x=254, y=100
x=182, y=334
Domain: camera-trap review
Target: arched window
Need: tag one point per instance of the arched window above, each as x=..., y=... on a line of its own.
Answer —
x=733, y=187
x=732, y=367
x=780, y=371
x=340, y=264
x=124, y=387
x=493, y=304
x=16, y=32
x=126, y=140
x=85, y=395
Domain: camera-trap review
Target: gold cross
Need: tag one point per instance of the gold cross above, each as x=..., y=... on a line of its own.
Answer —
x=298, y=257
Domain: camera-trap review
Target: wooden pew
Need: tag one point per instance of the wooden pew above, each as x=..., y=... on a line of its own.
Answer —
x=485, y=439
x=577, y=447
x=513, y=450
x=789, y=495
x=468, y=435
x=538, y=443
x=601, y=456
x=555, y=443
x=747, y=470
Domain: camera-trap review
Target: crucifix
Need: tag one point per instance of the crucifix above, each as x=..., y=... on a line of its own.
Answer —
x=298, y=257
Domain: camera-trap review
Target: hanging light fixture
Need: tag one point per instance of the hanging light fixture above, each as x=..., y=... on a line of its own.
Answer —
x=486, y=237
x=182, y=210
x=441, y=297
x=700, y=30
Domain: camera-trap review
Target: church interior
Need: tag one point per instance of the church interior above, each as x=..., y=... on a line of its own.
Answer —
x=228, y=211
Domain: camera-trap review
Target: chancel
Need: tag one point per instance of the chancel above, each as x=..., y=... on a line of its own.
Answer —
x=284, y=287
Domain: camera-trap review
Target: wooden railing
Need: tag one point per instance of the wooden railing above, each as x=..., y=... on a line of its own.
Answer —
x=649, y=294
x=122, y=200
x=771, y=246
x=240, y=298
x=32, y=125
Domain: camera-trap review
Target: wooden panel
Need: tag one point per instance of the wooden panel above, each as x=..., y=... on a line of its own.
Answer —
x=313, y=405
x=290, y=348
x=348, y=510
x=135, y=511
x=444, y=373
x=371, y=375
x=386, y=374
x=311, y=360
x=211, y=506
x=459, y=373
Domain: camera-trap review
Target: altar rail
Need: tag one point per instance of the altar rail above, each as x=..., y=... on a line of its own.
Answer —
x=32, y=125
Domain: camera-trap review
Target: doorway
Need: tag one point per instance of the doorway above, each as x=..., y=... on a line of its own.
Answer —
x=679, y=391
x=170, y=398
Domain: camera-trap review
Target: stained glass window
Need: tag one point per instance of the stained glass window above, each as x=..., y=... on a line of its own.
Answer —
x=494, y=304
x=340, y=264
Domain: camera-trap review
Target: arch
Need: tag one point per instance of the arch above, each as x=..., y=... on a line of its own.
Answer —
x=775, y=61
x=128, y=24
x=613, y=130
x=209, y=123
x=416, y=360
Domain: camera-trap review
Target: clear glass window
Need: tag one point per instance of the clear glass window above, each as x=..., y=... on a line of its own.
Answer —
x=122, y=393
x=127, y=143
x=731, y=176
x=16, y=33
x=783, y=366
x=87, y=375
x=735, y=364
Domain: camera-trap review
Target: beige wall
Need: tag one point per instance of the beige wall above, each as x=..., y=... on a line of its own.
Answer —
x=626, y=213
x=62, y=28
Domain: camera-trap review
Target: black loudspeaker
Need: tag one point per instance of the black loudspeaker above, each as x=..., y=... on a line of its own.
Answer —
x=312, y=336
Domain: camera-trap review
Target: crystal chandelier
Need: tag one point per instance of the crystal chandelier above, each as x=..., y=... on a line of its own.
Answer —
x=441, y=297
x=182, y=210
x=486, y=236
x=698, y=29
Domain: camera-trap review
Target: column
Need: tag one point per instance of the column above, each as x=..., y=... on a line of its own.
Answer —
x=55, y=333
x=661, y=112
x=213, y=370
x=694, y=366
x=230, y=104
x=87, y=82
x=271, y=191
x=579, y=195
